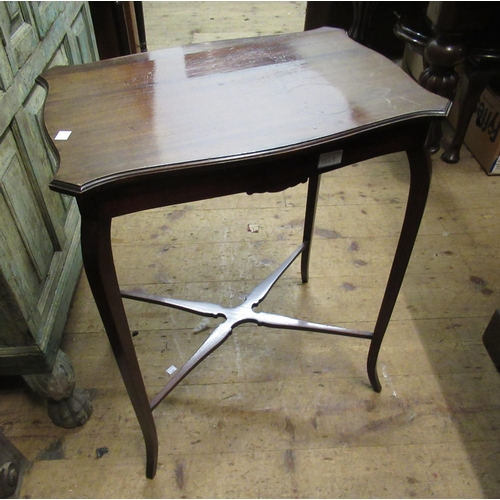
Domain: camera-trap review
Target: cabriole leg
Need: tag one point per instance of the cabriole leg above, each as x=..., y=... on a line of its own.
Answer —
x=101, y=274
x=420, y=176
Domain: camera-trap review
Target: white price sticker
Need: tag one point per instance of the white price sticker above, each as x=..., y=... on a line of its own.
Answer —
x=330, y=159
x=62, y=135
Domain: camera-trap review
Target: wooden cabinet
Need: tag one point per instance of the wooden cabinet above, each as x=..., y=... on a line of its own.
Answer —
x=119, y=28
x=39, y=234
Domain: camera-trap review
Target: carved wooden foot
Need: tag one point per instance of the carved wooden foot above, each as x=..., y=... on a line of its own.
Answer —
x=13, y=465
x=68, y=406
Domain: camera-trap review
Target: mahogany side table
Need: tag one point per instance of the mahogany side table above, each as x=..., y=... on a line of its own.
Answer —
x=214, y=119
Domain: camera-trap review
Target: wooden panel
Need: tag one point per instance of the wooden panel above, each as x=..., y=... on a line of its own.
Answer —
x=22, y=34
x=13, y=328
x=44, y=14
x=61, y=56
x=16, y=265
x=6, y=71
x=41, y=167
x=39, y=242
x=21, y=83
x=83, y=47
x=21, y=206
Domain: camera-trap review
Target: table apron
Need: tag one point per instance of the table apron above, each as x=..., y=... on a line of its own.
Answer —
x=244, y=175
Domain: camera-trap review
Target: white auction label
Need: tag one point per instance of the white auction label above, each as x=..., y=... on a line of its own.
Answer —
x=330, y=159
x=62, y=135
x=171, y=370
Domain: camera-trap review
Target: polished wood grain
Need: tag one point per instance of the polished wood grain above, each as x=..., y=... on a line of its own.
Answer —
x=187, y=107
x=215, y=119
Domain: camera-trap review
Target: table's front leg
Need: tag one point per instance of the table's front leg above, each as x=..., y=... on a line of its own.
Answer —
x=420, y=177
x=311, y=204
x=101, y=274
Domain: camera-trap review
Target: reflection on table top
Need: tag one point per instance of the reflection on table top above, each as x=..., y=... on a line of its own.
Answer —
x=183, y=107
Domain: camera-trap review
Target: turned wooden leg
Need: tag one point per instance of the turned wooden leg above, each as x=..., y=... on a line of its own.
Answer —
x=100, y=269
x=312, y=201
x=444, y=51
x=420, y=176
x=442, y=55
x=68, y=406
x=472, y=89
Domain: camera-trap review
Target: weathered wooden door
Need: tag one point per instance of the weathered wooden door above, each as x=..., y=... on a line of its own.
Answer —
x=39, y=230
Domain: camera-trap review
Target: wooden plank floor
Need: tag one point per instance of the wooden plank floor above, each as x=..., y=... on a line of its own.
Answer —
x=278, y=413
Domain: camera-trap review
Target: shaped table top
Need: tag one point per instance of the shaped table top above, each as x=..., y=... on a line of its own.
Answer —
x=191, y=106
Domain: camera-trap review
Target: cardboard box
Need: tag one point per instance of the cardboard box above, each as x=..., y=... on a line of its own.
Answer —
x=483, y=133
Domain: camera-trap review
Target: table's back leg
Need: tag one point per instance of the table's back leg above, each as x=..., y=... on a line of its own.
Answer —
x=312, y=201
x=101, y=274
x=420, y=170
